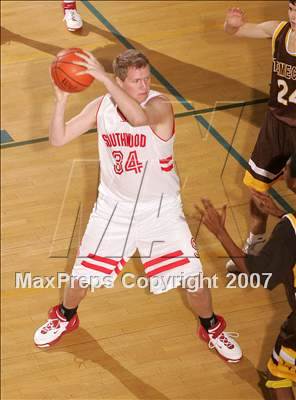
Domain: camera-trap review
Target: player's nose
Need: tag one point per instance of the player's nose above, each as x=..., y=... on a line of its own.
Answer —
x=144, y=85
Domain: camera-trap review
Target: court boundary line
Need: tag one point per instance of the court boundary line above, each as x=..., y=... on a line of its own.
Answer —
x=177, y=116
x=172, y=90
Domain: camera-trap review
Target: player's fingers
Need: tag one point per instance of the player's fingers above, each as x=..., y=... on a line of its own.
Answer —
x=89, y=54
x=200, y=211
x=206, y=202
x=83, y=56
x=223, y=214
x=259, y=195
x=82, y=72
x=50, y=76
x=83, y=64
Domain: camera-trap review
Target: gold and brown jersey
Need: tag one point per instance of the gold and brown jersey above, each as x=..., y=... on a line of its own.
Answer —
x=283, y=80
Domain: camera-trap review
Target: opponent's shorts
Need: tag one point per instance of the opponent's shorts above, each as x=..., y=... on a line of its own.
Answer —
x=282, y=363
x=157, y=229
x=275, y=145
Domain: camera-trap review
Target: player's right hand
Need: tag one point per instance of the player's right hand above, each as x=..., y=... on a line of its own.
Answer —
x=235, y=18
x=266, y=204
x=211, y=217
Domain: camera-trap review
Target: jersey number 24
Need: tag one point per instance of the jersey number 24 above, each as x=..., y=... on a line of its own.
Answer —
x=282, y=93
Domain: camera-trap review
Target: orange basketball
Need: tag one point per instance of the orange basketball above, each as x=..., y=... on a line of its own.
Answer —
x=63, y=72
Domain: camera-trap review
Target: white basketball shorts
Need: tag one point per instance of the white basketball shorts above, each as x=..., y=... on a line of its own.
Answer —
x=157, y=229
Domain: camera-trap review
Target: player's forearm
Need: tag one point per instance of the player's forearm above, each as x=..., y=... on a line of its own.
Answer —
x=247, y=30
x=57, y=125
x=237, y=255
x=131, y=109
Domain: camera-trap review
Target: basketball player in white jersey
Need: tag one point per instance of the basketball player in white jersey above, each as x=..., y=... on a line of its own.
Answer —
x=138, y=205
x=72, y=17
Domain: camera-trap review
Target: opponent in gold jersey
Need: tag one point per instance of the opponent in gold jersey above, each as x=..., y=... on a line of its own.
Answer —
x=277, y=138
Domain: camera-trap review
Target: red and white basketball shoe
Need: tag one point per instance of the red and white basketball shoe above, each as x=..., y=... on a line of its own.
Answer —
x=72, y=20
x=221, y=341
x=56, y=326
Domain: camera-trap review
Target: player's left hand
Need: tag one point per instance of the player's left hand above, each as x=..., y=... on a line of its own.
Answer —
x=92, y=66
x=212, y=219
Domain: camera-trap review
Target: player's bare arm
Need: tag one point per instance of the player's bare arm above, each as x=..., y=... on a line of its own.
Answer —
x=235, y=24
x=60, y=132
x=131, y=109
x=160, y=116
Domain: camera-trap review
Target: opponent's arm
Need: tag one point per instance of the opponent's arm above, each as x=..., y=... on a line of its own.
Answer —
x=60, y=132
x=215, y=222
x=235, y=24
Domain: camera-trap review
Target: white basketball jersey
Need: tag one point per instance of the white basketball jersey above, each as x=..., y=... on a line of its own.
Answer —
x=136, y=165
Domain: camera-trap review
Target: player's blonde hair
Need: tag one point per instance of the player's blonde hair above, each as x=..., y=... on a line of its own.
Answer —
x=127, y=59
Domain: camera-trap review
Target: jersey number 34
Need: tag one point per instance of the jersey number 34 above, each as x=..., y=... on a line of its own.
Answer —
x=131, y=164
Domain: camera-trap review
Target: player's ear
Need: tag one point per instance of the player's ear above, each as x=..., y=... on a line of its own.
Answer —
x=119, y=81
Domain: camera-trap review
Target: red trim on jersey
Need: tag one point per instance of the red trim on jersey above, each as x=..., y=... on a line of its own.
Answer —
x=166, y=160
x=172, y=134
x=174, y=126
x=167, y=169
x=97, y=267
x=163, y=258
x=168, y=267
x=103, y=259
x=99, y=106
x=120, y=113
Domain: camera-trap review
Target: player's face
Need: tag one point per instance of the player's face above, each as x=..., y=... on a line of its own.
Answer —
x=137, y=83
x=292, y=15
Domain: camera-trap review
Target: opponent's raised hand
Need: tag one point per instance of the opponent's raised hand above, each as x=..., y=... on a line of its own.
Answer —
x=234, y=19
x=211, y=217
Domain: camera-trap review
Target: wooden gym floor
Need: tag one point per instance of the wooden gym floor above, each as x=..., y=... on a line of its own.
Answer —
x=131, y=345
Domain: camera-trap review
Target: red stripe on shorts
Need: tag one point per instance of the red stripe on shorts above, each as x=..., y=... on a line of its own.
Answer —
x=163, y=258
x=168, y=266
x=96, y=267
x=103, y=259
x=117, y=269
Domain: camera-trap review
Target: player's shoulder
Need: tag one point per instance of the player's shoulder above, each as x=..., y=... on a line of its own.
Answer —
x=289, y=220
x=157, y=99
x=96, y=103
x=285, y=232
x=92, y=108
x=277, y=27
